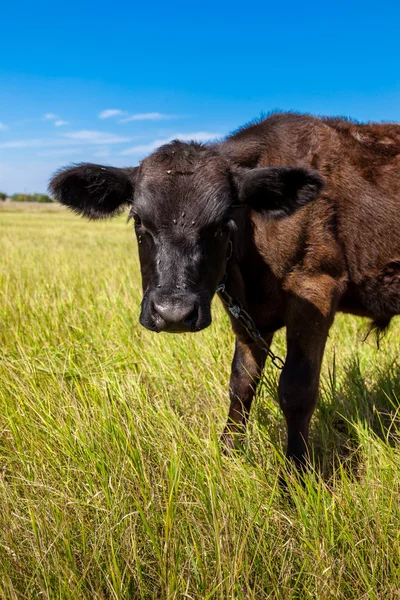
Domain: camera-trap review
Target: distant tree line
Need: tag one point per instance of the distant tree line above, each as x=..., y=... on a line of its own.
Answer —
x=26, y=197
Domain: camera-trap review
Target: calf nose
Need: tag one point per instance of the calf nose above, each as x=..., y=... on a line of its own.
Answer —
x=177, y=317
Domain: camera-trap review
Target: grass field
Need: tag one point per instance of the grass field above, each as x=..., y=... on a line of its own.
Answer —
x=112, y=485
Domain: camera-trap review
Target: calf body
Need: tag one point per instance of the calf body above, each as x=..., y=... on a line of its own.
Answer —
x=308, y=208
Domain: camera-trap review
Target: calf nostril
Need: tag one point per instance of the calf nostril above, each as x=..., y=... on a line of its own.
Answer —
x=192, y=317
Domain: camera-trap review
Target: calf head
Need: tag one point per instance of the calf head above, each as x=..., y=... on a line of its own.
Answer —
x=182, y=199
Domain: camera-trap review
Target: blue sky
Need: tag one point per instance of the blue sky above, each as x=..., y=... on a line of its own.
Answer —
x=179, y=69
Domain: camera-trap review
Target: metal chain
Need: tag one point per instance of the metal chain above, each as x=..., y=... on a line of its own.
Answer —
x=238, y=312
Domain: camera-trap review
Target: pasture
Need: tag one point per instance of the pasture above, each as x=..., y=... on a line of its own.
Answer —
x=112, y=485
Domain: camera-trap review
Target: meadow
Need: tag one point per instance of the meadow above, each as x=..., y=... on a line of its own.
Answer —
x=112, y=484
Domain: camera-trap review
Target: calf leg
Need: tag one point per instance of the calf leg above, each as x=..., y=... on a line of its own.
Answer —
x=307, y=331
x=247, y=365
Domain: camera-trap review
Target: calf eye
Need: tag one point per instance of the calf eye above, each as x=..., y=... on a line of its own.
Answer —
x=224, y=227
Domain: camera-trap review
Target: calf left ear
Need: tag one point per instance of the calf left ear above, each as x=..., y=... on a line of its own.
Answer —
x=279, y=191
x=94, y=191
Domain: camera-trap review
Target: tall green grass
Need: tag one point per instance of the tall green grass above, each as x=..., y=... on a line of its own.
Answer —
x=112, y=485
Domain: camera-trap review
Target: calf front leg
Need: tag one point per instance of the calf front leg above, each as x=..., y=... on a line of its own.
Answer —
x=247, y=365
x=307, y=332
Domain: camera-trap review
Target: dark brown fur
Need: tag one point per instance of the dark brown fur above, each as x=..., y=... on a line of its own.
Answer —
x=339, y=253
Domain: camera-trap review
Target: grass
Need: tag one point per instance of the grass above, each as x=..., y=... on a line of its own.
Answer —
x=112, y=485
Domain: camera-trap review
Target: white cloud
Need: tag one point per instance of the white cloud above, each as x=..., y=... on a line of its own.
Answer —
x=60, y=152
x=144, y=148
x=198, y=136
x=88, y=136
x=3, y=126
x=73, y=138
x=102, y=153
x=111, y=112
x=154, y=116
x=34, y=143
x=55, y=118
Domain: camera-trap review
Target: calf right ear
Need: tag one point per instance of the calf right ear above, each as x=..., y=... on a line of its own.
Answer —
x=279, y=191
x=93, y=190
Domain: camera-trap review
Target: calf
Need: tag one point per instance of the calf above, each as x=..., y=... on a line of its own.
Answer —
x=307, y=210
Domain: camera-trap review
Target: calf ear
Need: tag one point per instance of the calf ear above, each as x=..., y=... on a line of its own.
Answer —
x=94, y=191
x=279, y=191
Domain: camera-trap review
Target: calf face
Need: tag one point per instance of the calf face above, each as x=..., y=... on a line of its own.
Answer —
x=183, y=199
x=183, y=214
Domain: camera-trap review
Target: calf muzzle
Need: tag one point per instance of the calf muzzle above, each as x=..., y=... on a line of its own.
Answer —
x=175, y=313
x=175, y=316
